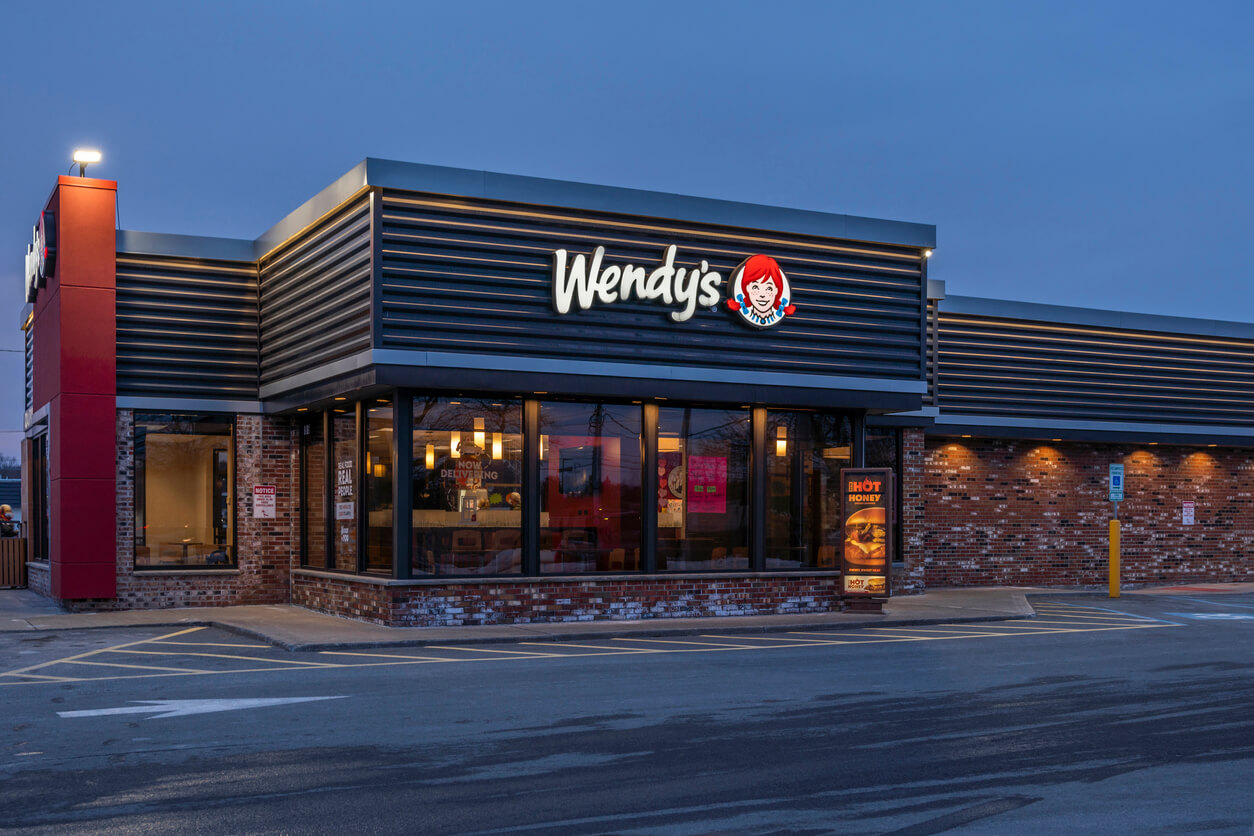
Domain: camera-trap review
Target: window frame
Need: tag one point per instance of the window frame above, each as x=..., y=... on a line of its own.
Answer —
x=403, y=401
x=140, y=497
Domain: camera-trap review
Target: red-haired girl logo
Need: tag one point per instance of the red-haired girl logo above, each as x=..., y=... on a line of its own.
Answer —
x=759, y=292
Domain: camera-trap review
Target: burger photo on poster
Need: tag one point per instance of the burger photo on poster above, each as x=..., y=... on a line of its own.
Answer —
x=866, y=538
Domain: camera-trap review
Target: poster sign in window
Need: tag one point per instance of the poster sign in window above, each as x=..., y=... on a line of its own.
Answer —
x=264, y=501
x=867, y=510
x=707, y=484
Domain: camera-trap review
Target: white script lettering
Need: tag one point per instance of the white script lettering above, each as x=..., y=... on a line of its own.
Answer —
x=586, y=282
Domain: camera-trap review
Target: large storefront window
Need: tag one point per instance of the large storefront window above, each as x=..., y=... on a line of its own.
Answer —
x=883, y=449
x=344, y=531
x=804, y=454
x=467, y=486
x=590, y=461
x=184, y=501
x=314, y=494
x=378, y=491
x=702, y=493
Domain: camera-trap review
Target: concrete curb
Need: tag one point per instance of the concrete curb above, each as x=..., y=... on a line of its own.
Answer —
x=287, y=636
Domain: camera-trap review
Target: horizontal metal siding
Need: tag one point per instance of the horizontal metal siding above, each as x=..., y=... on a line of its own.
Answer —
x=186, y=327
x=1016, y=368
x=476, y=277
x=315, y=294
x=933, y=330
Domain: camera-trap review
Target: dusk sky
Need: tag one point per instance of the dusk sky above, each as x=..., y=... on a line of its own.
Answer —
x=1096, y=154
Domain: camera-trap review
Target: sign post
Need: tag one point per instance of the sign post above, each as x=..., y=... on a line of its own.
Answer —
x=1116, y=496
x=867, y=507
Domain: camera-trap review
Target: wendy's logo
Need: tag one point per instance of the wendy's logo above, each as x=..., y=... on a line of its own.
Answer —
x=758, y=290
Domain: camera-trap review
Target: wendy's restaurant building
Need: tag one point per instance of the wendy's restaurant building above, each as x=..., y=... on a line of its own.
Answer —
x=433, y=396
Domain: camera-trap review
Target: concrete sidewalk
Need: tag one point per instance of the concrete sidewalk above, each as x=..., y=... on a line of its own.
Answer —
x=295, y=628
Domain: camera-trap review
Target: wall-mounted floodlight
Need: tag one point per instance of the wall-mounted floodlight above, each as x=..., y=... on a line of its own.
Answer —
x=927, y=253
x=84, y=157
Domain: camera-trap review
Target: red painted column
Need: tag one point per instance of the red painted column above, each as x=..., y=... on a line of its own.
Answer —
x=75, y=362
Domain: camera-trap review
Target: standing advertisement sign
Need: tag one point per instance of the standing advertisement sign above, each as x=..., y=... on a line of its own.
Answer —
x=867, y=503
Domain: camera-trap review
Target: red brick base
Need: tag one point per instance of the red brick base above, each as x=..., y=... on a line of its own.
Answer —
x=39, y=578
x=536, y=600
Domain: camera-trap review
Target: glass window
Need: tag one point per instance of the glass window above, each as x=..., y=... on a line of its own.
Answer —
x=883, y=449
x=38, y=513
x=379, y=487
x=184, y=502
x=804, y=454
x=344, y=534
x=467, y=486
x=702, y=489
x=590, y=463
x=314, y=493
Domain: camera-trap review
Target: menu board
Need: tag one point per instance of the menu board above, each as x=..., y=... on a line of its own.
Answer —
x=867, y=503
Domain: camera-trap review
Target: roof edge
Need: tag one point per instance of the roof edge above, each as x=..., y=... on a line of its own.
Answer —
x=1095, y=318
x=185, y=246
x=540, y=191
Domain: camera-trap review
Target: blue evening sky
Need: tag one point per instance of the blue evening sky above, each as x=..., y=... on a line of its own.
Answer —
x=1085, y=153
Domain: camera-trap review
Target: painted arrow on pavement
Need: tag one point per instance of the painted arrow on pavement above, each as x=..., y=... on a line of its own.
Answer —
x=182, y=708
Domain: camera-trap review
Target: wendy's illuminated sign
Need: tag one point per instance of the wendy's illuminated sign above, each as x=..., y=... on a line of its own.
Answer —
x=41, y=255
x=759, y=292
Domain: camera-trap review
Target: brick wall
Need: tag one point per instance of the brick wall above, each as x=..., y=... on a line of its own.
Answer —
x=265, y=453
x=39, y=577
x=909, y=577
x=1005, y=512
x=542, y=600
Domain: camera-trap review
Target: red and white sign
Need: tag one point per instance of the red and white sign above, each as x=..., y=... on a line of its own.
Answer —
x=264, y=501
x=758, y=292
x=1187, y=512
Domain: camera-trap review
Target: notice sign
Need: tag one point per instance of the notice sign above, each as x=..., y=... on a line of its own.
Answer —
x=867, y=508
x=1116, y=483
x=264, y=500
x=1187, y=512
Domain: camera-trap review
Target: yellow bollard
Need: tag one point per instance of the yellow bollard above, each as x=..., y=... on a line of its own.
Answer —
x=1114, y=558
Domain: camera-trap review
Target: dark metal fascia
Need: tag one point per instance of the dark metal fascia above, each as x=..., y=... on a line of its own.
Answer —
x=1094, y=318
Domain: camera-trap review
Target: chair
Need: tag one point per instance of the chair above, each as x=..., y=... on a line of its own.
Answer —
x=827, y=557
x=503, y=539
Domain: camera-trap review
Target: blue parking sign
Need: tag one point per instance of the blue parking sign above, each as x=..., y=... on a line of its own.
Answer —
x=1116, y=483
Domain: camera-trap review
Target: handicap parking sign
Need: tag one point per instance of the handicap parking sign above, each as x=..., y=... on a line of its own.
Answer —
x=1116, y=483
